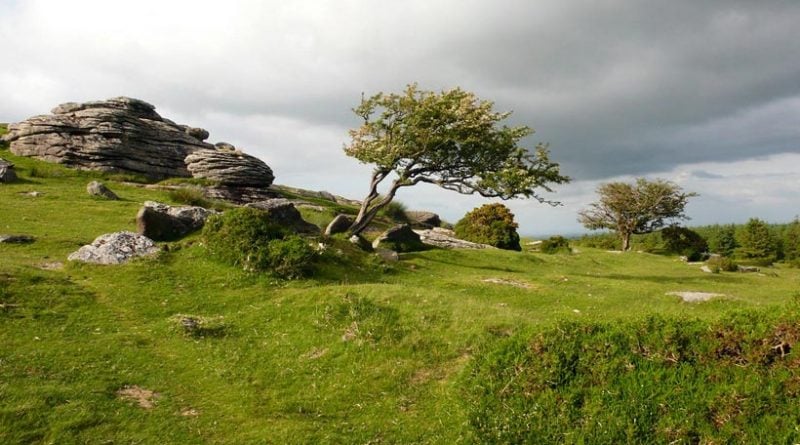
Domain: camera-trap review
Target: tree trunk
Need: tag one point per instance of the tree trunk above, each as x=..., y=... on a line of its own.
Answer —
x=366, y=214
x=626, y=241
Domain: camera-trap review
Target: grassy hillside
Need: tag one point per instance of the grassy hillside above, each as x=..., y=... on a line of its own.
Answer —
x=360, y=353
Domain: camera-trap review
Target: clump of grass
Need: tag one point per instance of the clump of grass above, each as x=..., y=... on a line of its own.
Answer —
x=653, y=381
x=197, y=326
x=203, y=182
x=719, y=264
x=396, y=211
x=192, y=196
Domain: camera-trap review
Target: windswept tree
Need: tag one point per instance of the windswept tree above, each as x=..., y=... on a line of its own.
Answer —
x=635, y=208
x=451, y=139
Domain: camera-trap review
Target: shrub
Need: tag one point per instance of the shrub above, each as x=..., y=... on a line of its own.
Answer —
x=683, y=241
x=395, y=211
x=555, y=244
x=491, y=224
x=719, y=264
x=247, y=238
x=756, y=242
x=722, y=240
x=607, y=241
x=192, y=196
x=791, y=242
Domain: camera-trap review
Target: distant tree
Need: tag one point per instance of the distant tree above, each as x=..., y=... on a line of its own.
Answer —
x=635, y=208
x=756, y=240
x=451, y=139
x=491, y=224
x=791, y=241
x=722, y=240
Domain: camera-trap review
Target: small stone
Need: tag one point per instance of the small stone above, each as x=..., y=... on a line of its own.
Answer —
x=115, y=248
x=97, y=188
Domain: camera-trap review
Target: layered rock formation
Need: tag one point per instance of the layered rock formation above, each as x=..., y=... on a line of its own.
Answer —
x=283, y=213
x=229, y=168
x=115, y=248
x=116, y=135
x=161, y=222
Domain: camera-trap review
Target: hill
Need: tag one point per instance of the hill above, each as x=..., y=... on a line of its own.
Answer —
x=183, y=349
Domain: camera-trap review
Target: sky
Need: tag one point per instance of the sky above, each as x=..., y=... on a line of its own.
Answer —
x=705, y=94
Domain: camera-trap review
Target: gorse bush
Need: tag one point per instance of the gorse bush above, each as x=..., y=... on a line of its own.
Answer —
x=491, y=224
x=246, y=238
x=555, y=244
x=683, y=241
x=651, y=381
x=719, y=264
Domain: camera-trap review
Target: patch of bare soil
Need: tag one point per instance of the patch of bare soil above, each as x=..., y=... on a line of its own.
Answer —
x=143, y=397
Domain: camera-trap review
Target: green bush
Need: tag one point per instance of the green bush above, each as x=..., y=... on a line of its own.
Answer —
x=683, y=241
x=719, y=264
x=491, y=224
x=791, y=242
x=607, y=241
x=246, y=238
x=722, y=239
x=652, y=381
x=396, y=211
x=555, y=244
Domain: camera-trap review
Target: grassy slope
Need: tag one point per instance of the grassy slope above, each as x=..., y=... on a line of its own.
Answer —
x=282, y=373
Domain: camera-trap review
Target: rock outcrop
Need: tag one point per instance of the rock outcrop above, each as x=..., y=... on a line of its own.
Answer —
x=400, y=238
x=423, y=219
x=340, y=224
x=7, y=173
x=161, y=222
x=283, y=213
x=115, y=248
x=446, y=239
x=230, y=168
x=115, y=135
x=97, y=188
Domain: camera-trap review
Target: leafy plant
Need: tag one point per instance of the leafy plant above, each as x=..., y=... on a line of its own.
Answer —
x=719, y=264
x=555, y=244
x=491, y=224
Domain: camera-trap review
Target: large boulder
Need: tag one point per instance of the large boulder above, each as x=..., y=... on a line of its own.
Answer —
x=229, y=167
x=115, y=135
x=283, y=213
x=115, y=248
x=97, y=188
x=7, y=173
x=161, y=222
x=400, y=238
x=340, y=224
x=423, y=219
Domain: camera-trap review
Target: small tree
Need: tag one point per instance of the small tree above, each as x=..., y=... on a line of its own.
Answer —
x=451, y=139
x=638, y=208
x=756, y=241
x=791, y=241
x=722, y=240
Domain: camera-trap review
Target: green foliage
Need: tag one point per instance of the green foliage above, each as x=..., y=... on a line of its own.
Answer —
x=653, y=381
x=555, y=244
x=721, y=239
x=396, y=211
x=491, y=224
x=791, y=242
x=719, y=264
x=450, y=139
x=683, y=241
x=246, y=238
x=756, y=241
x=638, y=208
x=605, y=241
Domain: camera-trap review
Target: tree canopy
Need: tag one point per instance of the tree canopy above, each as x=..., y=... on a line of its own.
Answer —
x=635, y=208
x=451, y=139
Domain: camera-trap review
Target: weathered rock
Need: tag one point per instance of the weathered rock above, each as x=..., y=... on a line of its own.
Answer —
x=231, y=168
x=340, y=224
x=747, y=269
x=399, y=238
x=423, y=219
x=446, y=239
x=161, y=222
x=97, y=188
x=7, y=173
x=115, y=248
x=16, y=239
x=116, y=135
x=361, y=243
x=283, y=213
x=240, y=195
x=285, y=189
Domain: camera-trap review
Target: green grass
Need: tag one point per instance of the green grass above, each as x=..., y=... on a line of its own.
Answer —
x=359, y=353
